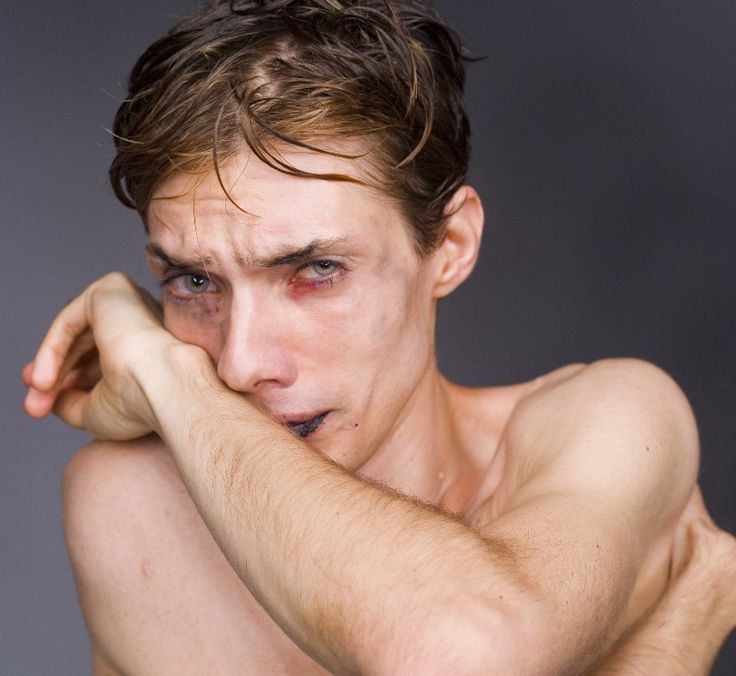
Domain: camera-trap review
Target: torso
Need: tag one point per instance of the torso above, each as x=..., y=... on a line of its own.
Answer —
x=480, y=500
x=477, y=500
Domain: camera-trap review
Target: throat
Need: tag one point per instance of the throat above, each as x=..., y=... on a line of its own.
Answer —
x=426, y=458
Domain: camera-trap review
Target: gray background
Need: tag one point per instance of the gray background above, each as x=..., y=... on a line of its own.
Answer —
x=604, y=148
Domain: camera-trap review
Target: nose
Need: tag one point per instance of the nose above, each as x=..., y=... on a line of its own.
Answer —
x=255, y=349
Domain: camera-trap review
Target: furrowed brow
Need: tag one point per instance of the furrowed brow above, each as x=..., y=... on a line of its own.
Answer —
x=286, y=256
x=297, y=256
x=155, y=250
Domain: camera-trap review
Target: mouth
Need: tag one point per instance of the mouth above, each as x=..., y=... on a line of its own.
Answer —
x=306, y=427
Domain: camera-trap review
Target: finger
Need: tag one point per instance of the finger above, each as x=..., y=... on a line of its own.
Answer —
x=85, y=375
x=62, y=333
x=82, y=353
x=70, y=406
x=91, y=411
x=82, y=378
x=26, y=373
x=696, y=510
x=38, y=403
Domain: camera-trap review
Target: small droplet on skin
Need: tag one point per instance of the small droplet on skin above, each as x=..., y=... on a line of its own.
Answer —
x=441, y=476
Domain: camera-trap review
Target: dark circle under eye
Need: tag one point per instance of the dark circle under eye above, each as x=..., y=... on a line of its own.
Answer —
x=324, y=268
x=195, y=283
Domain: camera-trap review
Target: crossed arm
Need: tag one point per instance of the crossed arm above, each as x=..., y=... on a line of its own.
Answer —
x=683, y=632
x=343, y=565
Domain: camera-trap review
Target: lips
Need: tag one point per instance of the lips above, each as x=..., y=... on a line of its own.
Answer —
x=305, y=427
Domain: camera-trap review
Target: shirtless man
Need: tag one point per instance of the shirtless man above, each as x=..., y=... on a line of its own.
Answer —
x=284, y=482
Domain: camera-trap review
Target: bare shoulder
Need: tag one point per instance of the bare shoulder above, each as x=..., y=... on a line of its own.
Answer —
x=101, y=455
x=114, y=450
x=645, y=382
x=606, y=377
x=108, y=471
x=625, y=395
x=584, y=423
x=596, y=464
x=619, y=432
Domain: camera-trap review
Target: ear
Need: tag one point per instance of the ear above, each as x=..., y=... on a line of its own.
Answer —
x=459, y=250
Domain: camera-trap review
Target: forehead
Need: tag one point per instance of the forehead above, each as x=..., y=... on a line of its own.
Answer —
x=257, y=207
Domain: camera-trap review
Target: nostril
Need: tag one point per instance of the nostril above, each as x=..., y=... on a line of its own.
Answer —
x=247, y=371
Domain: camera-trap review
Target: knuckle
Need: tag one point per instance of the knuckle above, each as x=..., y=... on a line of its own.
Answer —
x=112, y=280
x=116, y=277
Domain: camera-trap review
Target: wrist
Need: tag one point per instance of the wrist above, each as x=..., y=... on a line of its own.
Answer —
x=172, y=375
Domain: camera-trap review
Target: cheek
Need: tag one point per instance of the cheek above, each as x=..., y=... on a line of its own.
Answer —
x=388, y=323
x=196, y=326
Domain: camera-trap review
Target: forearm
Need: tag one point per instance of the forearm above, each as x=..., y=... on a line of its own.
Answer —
x=341, y=565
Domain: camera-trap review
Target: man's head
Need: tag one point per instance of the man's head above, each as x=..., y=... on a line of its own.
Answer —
x=291, y=160
x=269, y=74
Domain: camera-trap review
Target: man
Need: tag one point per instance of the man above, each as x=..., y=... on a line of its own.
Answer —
x=285, y=482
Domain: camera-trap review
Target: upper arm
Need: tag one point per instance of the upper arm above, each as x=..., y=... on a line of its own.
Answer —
x=600, y=465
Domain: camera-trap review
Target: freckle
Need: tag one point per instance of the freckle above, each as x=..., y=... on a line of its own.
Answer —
x=146, y=569
x=356, y=424
x=647, y=447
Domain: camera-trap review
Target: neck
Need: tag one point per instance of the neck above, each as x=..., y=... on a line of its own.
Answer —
x=424, y=455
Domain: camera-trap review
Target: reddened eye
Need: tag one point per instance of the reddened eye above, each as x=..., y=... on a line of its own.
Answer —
x=324, y=268
x=318, y=272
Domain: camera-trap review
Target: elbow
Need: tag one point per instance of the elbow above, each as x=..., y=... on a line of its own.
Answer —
x=462, y=646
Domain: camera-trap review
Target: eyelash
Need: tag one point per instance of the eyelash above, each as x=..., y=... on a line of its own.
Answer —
x=183, y=298
x=320, y=281
x=312, y=284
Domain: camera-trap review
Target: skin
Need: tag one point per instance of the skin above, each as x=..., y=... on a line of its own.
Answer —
x=522, y=529
x=295, y=348
x=683, y=632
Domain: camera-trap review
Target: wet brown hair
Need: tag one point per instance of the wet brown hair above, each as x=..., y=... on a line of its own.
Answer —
x=273, y=73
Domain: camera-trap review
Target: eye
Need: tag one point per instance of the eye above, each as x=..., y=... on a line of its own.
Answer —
x=323, y=268
x=319, y=273
x=186, y=286
x=318, y=270
x=195, y=283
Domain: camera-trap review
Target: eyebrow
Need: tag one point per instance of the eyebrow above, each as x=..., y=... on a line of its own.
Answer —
x=286, y=256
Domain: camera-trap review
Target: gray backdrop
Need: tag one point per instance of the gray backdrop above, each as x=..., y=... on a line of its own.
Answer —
x=604, y=148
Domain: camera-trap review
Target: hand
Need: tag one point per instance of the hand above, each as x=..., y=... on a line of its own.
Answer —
x=684, y=631
x=703, y=566
x=84, y=370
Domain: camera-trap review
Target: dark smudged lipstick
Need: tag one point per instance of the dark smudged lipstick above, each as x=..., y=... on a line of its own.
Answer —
x=306, y=427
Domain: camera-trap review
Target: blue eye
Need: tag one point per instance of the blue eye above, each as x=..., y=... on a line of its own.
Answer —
x=195, y=283
x=324, y=268
x=319, y=273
